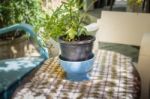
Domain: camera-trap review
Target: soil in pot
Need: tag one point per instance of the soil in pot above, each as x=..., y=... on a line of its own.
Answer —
x=11, y=35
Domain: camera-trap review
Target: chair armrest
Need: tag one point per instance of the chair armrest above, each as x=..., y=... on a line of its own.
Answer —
x=144, y=65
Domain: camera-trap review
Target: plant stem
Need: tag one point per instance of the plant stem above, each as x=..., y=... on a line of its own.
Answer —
x=70, y=13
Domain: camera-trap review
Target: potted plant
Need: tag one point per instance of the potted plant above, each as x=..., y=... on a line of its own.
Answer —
x=134, y=5
x=13, y=12
x=66, y=25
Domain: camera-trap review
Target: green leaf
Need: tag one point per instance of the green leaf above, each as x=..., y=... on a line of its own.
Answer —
x=71, y=33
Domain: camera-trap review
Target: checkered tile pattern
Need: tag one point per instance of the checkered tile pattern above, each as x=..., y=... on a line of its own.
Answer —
x=113, y=77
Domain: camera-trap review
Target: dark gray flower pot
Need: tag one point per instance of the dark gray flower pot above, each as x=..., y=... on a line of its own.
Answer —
x=77, y=50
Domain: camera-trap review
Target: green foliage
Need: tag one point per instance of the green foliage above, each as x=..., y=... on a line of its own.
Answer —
x=67, y=20
x=21, y=11
x=135, y=4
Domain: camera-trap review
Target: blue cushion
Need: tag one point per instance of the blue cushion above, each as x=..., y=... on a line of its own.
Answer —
x=13, y=70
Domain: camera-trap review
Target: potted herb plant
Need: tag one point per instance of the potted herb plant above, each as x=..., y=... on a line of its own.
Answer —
x=66, y=25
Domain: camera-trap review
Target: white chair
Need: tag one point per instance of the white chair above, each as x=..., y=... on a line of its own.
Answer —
x=132, y=29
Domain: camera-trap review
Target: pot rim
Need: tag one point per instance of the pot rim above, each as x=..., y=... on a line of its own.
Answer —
x=77, y=42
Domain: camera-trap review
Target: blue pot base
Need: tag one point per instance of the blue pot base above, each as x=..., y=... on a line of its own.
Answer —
x=77, y=70
x=77, y=76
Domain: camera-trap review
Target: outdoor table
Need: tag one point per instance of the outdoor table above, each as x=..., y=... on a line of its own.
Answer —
x=113, y=76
